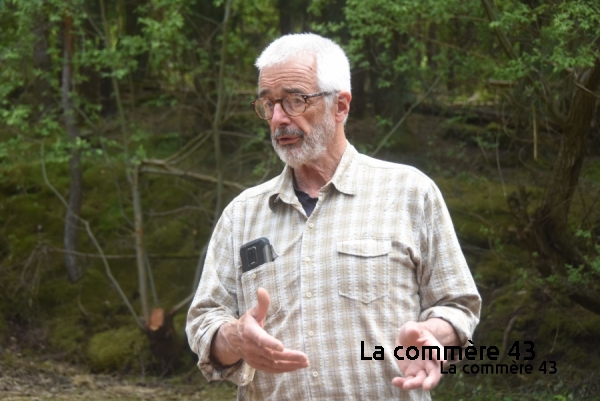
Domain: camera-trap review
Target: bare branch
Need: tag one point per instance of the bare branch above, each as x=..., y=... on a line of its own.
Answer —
x=168, y=170
x=96, y=244
x=197, y=275
x=586, y=89
x=131, y=256
x=193, y=144
x=181, y=304
x=218, y=117
x=408, y=112
x=175, y=211
x=507, y=331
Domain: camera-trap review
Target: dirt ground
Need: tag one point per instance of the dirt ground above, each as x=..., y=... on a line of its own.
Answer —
x=38, y=379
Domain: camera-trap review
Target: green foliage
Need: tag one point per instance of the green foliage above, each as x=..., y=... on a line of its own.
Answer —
x=564, y=40
x=586, y=275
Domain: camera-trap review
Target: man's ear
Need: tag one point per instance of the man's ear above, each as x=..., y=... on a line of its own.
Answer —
x=343, y=106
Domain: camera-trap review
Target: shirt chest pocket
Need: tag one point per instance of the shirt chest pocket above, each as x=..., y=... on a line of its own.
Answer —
x=263, y=276
x=364, y=268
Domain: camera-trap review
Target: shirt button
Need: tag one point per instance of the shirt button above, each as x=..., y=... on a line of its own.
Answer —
x=254, y=275
x=311, y=225
x=309, y=294
x=315, y=374
x=307, y=259
x=311, y=333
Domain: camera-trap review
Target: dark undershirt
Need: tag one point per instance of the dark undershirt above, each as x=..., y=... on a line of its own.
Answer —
x=306, y=201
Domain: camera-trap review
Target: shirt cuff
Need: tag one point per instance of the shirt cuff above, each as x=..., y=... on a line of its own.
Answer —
x=241, y=373
x=463, y=321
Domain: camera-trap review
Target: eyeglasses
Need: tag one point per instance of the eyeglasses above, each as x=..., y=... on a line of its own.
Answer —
x=293, y=104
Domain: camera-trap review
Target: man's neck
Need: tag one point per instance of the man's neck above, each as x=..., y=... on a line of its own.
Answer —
x=310, y=178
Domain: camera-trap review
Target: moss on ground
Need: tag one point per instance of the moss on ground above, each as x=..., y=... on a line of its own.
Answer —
x=120, y=349
x=67, y=335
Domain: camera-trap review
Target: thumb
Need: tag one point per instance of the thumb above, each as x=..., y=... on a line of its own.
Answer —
x=260, y=310
x=410, y=333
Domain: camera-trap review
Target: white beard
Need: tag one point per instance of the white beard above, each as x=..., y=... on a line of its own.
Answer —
x=311, y=147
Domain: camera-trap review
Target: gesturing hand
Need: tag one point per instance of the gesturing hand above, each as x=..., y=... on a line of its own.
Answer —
x=246, y=339
x=418, y=373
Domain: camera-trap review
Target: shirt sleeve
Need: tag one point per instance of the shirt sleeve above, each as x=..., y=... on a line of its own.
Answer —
x=447, y=288
x=214, y=304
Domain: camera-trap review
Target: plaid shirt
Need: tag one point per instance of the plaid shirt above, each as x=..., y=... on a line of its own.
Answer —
x=379, y=250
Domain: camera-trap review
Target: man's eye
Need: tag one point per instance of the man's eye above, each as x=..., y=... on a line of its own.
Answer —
x=296, y=100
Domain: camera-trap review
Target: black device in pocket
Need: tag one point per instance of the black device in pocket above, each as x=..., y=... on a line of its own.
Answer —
x=256, y=253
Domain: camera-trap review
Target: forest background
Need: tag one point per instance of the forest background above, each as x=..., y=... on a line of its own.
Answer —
x=126, y=127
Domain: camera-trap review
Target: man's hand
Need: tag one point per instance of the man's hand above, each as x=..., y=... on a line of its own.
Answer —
x=419, y=373
x=245, y=339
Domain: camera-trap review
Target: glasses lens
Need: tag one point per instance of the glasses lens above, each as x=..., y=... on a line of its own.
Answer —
x=294, y=104
x=264, y=108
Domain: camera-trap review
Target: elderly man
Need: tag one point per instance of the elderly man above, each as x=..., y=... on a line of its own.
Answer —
x=366, y=256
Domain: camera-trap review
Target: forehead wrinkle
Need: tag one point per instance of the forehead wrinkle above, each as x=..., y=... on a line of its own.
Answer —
x=290, y=77
x=265, y=92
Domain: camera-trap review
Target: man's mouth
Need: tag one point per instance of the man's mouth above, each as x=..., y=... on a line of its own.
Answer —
x=288, y=136
x=288, y=140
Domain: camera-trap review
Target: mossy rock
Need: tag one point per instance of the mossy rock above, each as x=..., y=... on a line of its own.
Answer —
x=119, y=349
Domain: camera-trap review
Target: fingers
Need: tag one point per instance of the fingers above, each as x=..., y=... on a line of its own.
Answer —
x=279, y=367
x=289, y=355
x=261, y=338
x=255, y=332
x=410, y=382
x=280, y=362
x=427, y=378
x=276, y=362
x=259, y=312
x=261, y=350
x=433, y=378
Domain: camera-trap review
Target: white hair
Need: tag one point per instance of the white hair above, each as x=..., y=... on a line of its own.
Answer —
x=333, y=68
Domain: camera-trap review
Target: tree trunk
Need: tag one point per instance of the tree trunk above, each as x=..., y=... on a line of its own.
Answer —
x=548, y=233
x=163, y=340
x=139, y=243
x=219, y=114
x=75, y=192
x=359, y=101
x=285, y=17
x=41, y=61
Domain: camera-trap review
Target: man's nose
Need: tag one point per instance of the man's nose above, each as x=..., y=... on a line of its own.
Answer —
x=280, y=117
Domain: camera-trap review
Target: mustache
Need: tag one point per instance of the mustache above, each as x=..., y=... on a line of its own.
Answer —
x=279, y=132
